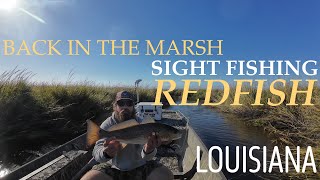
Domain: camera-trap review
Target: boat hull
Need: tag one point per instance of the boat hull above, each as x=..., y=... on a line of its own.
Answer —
x=71, y=160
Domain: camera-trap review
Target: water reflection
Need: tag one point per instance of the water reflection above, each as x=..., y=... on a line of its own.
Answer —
x=3, y=171
x=217, y=129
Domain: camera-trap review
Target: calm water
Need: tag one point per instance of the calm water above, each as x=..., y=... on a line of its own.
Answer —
x=215, y=129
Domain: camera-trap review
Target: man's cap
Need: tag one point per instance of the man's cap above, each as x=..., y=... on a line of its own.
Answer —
x=124, y=95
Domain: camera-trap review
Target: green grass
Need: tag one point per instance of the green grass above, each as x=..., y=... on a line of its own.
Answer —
x=289, y=125
x=35, y=114
x=286, y=125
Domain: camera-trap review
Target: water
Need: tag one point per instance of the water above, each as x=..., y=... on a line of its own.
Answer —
x=3, y=171
x=217, y=129
x=23, y=157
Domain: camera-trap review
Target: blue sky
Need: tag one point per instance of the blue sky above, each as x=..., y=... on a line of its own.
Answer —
x=250, y=29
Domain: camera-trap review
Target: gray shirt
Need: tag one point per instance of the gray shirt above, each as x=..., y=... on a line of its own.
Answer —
x=130, y=157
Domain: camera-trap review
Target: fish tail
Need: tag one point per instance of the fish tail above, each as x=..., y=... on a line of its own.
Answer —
x=92, y=133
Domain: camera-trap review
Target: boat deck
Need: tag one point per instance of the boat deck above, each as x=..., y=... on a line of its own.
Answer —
x=71, y=160
x=68, y=159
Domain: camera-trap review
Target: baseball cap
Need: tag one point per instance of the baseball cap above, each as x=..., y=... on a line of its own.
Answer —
x=124, y=95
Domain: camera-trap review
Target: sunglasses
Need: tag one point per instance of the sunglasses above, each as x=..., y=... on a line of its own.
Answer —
x=123, y=103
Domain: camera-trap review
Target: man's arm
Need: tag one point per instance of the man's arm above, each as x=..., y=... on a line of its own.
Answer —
x=105, y=149
x=148, y=156
x=98, y=151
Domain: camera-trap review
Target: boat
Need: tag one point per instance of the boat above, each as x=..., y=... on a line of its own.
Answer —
x=72, y=160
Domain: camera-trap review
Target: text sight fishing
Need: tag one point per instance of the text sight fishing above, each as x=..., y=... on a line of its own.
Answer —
x=235, y=67
x=278, y=88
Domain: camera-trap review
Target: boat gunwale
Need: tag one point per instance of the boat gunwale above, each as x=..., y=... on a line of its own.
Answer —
x=59, y=150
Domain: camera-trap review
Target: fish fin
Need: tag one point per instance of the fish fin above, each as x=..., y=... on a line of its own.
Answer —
x=123, y=125
x=147, y=119
x=92, y=133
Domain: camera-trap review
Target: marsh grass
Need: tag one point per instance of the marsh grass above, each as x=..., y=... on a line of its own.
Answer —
x=32, y=115
x=35, y=114
x=290, y=125
x=287, y=125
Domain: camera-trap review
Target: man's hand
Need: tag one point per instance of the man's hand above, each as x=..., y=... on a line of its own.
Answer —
x=112, y=147
x=153, y=142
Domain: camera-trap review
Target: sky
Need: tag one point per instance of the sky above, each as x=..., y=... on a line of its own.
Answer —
x=250, y=29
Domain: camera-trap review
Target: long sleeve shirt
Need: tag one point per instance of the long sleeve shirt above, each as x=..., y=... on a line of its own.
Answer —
x=130, y=157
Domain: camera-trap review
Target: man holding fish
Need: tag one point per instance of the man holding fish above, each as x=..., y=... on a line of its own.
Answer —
x=125, y=146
